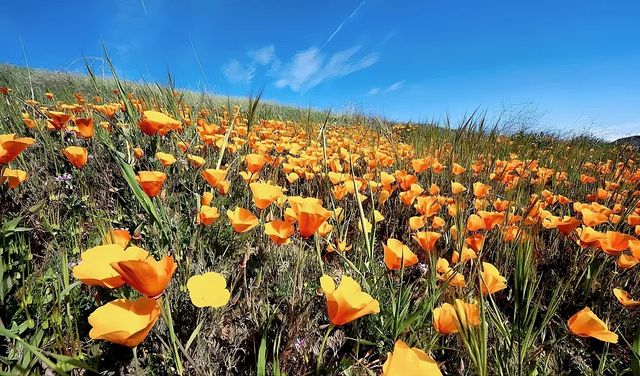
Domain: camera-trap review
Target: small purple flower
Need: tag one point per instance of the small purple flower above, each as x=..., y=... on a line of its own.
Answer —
x=298, y=343
x=62, y=178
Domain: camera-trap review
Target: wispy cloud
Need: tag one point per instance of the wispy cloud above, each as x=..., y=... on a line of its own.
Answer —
x=310, y=67
x=304, y=70
x=337, y=30
x=238, y=73
x=613, y=132
x=388, y=37
x=264, y=55
x=393, y=87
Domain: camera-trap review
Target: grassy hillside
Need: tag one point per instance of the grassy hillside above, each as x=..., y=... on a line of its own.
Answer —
x=558, y=219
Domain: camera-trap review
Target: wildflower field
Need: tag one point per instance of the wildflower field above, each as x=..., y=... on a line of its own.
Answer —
x=150, y=231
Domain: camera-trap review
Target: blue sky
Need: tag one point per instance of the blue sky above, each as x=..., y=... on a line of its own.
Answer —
x=575, y=64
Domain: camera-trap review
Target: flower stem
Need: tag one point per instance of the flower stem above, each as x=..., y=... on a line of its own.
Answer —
x=324, y=342
x=136, y=364
x=166, y=315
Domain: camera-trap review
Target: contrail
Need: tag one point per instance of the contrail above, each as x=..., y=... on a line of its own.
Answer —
x=342, y=23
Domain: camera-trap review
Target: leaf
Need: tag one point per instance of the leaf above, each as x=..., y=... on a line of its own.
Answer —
x=635, y=355
x=262, y=355
x=66, y=291
x=33, y=350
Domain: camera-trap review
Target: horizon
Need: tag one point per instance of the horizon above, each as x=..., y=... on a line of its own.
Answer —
x=573, y=67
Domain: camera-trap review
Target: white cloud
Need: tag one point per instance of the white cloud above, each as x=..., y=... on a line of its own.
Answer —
x=305, y=70
x=395, y=86
x=310, y=67
x=264, y=55
x=615, y=131
x=238, y=73
x=337, y=30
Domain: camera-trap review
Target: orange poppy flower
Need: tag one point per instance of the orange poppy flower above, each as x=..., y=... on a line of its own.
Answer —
x=627, y=261
x=451, y=277
x=475, y=242
x=491, y=219
x=77, y=155
x=95, y=268
x=475, y=223
x=396, y=255
x=208, y=290
x=138, y=153
x=490, y=279
x=589, y=236
x=58, y=120
x=347, y=302
x=407, y=197
x=208, y=215
x=633, y=219
x=405, y=180
x=449, y=318
x=591, y=218
x=196, y=161
x=148, y=276
x=264, y=194
x=585, y=323
x=457, y=169
x=480, y=190
x=566, y=225
x=427, y=206
x=421, y=165
x=279, y=231
x=634, y=246
x=124, y=322
x=437, y=222
x=242, y=220
x=215, y=177
x=615, y=242
x=13, y=177
x=405, y=361
x=418, y=222
x=427, y=239
x=341, y=246
x=292, y=177
x=207, y=197
x=11, y=147
x=309, y=214
x=118, y=236
x=154, y=122
x=457, y=188
x=468, y=254
x=151, y=182
x=624, y=299
x=85, y=127
x=29, y=123
x=324, y=229
x=254, y=162
x=165, y=159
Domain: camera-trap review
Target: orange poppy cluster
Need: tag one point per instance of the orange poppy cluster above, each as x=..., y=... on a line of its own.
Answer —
x=455, y=218
x=10, y=147
x=112, y=265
